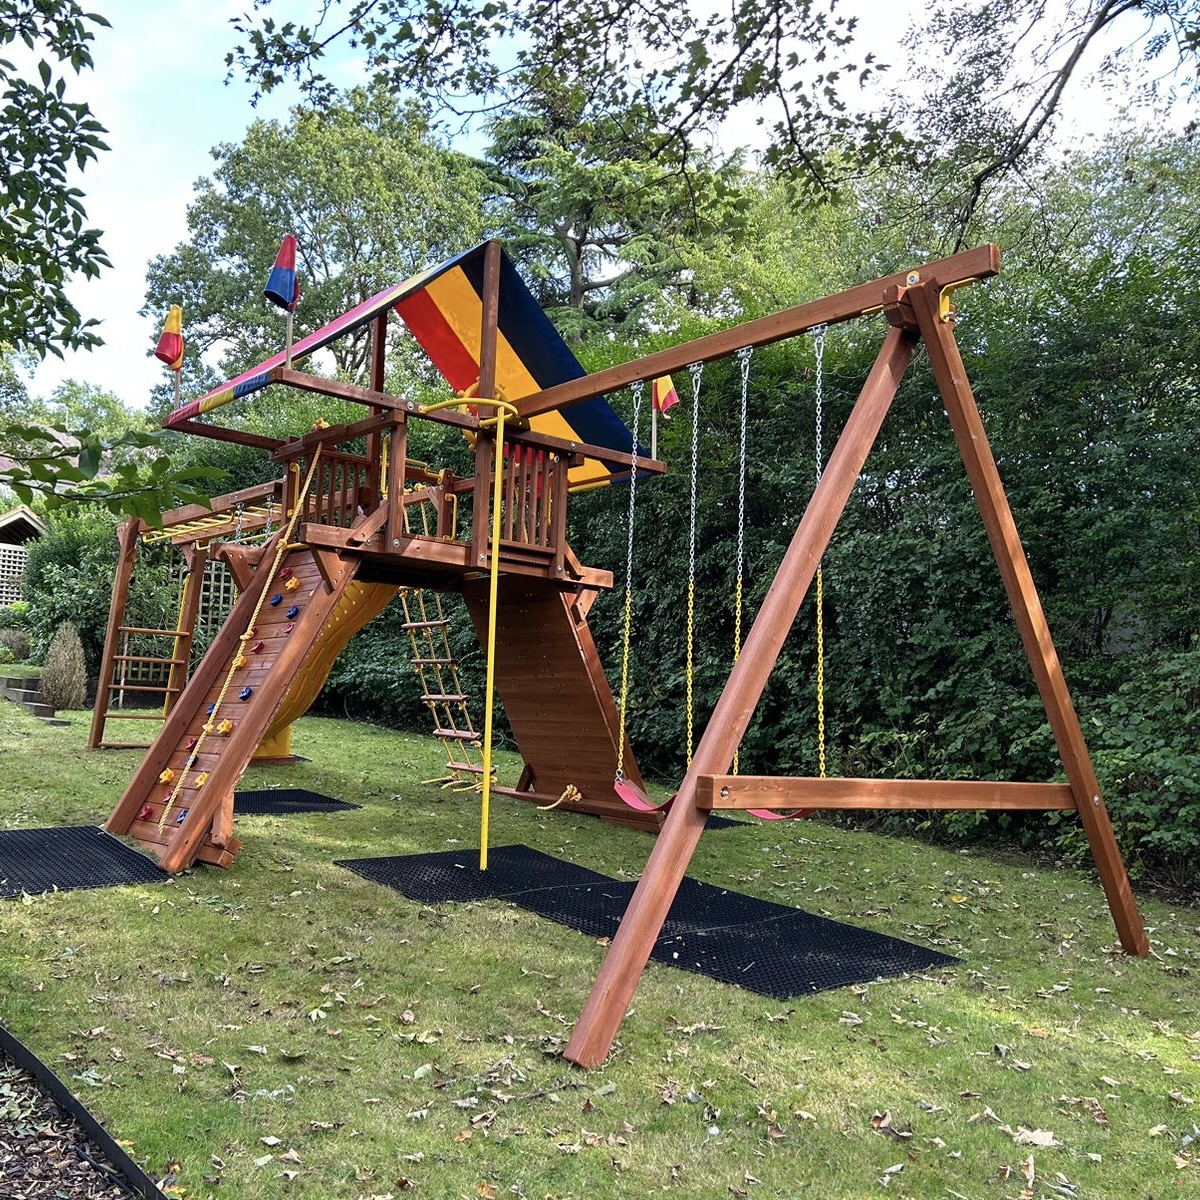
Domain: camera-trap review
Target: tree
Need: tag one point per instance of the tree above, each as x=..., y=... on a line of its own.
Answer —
x=692, y=66
x=600, y=225
x=43, y=135
x=371, y=197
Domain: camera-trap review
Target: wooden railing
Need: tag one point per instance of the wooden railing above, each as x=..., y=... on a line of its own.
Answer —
x=338, y=494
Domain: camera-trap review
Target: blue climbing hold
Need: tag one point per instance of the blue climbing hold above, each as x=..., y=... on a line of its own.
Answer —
x=208, y=712
x=276, y=600
x=245, y=693
x=292, y=613
x=182, y=816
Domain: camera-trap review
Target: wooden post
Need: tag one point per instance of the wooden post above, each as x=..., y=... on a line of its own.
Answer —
x=1031, y=621
x=375, y=438
x=485, y=457
x=128, y=533
x=626, y=959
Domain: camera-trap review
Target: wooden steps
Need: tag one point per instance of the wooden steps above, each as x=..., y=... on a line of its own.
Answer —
x=552, y=685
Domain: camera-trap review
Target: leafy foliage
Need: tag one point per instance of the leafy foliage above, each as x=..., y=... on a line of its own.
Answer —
x=43, y=136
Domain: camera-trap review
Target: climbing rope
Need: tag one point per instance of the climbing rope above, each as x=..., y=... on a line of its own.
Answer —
x=281, y=549
x=639, y=389
x=697, y=370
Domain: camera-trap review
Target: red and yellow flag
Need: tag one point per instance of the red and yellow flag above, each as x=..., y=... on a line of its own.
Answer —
x=170, y=344
x=663, y=394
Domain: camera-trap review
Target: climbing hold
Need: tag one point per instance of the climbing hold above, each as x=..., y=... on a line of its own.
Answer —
x=191, y=762
x=201, y=779
x=207, y=727
x=208, y=712
x=145, y=812
x=292, y=613
x=225, y=728
x=276, y=600
x=245, y=693
x=256, y=648
x=291, y=585
x=286, y=573
x=167, y=776
x=189, y=743
x=289, y=627
x=240, y=662
x=183, y=812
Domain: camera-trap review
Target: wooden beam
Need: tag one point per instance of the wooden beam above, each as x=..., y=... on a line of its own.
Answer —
x=127, y=548
x=218, y=504
x=334, y=434
x=951, y=376
x=979, y=263
x=626, y=959
x=222, y=433
x=489, y=320
x=777, y=792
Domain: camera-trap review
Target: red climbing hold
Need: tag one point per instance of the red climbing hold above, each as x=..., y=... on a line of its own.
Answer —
x=256, y=648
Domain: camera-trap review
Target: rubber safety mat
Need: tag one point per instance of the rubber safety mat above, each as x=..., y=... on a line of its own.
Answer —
x=279, y=802
x=756, y=944
x=69, y=857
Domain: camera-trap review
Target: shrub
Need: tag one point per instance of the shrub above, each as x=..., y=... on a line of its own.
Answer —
x=15, y=615
x=17, y=642
x=6, y=654
x=64, y=673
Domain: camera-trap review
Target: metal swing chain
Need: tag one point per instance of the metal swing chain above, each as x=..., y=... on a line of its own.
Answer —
x=639, y=389
x=697, y=370
x=743, y=420
x=818, y=333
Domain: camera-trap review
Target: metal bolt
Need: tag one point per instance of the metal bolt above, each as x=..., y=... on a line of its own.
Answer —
x=724, y=793
x=1095, y=801
x=411, y=406
x=396, y=542
x=912, y=278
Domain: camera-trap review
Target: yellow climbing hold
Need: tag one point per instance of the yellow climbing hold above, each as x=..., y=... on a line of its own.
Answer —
x=291, y=585
x=225, y=728
x=167, y=776
x=201, y=779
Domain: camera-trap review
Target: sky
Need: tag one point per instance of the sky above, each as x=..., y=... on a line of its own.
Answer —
x=159, y=88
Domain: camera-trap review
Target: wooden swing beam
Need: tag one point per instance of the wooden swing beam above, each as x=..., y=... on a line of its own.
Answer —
x=912, y=304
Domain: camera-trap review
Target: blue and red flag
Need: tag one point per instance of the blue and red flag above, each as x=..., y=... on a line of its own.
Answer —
x=283, y=288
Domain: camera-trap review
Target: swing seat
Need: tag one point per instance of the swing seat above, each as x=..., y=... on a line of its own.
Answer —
x=770, y=814
x=633, y=797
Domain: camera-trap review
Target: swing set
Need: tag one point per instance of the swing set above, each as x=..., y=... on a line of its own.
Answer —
x=629, y=793
x=916, y=305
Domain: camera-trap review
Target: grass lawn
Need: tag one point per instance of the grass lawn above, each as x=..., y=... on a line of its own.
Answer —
x=287, y=1029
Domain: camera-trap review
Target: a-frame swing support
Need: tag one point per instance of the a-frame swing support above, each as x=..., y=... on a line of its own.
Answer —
x=914, y=305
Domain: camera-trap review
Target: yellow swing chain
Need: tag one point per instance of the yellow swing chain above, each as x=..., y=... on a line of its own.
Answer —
x=697, y=370
x=739, y=587
x=639, y=388
x=281, y=549
x=818, y=333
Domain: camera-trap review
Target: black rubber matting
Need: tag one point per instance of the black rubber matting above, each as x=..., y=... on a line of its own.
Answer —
x=756, y=944
x=69, y=857
x=279, y=802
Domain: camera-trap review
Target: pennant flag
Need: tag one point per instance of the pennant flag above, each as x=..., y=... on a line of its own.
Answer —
x=663, y=394
x=283, y=288
x=170, y=344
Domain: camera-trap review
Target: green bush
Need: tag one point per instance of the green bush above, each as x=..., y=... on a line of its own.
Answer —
x=64, y=673
x=15, y=615
x=16, y=642
x=6, y=654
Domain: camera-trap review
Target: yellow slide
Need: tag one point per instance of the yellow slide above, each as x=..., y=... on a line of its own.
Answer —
x=361, y=603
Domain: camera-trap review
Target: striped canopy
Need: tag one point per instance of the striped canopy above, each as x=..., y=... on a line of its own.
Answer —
x=443, y=308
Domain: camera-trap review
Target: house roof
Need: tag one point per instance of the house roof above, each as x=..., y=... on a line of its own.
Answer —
x=20, y=525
